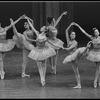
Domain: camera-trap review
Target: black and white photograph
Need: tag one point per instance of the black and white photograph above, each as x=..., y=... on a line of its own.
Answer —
x=49, y=49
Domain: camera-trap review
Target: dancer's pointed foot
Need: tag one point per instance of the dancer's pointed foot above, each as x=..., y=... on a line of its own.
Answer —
x=43, y=82
x=53, y=71
x=78, y=86
x=25, y=75
x=2, y=73
x=95, y=84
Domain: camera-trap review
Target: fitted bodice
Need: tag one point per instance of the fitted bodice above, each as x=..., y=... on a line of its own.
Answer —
x=52, y=32
x=71, y=43
x=40, y=41
x=96, y=43
x=2, y=35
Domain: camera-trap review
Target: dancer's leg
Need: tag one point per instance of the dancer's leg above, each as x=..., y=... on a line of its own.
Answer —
x=96, y=74
x=77, y=75
x=40, y=65
x=25, y=60
x=2, y=55
x=54, y=59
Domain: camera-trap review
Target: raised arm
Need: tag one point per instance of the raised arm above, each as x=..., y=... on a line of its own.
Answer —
x=8, y=27
x=36, y=32
x=59, y=18
x=90, y=36
x=66, y=32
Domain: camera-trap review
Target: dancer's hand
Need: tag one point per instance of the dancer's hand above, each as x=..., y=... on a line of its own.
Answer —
x=65, y=48
x=64, y=13
x=11, y=20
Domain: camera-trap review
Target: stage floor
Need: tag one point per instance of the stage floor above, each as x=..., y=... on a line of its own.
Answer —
x=57, y=86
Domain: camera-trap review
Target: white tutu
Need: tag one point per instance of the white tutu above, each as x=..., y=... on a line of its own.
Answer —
x=41, y=53
x=57, y=42
x=93, y=56
x=75, y=55
x=7, y=45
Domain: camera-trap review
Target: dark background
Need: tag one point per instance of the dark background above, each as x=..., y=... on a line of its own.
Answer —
x=86, y=14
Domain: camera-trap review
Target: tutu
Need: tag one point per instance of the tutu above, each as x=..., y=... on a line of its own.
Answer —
x=93, y=56
x=57, y=42
x=41, y=53
x=7, y=45
x=78, y=54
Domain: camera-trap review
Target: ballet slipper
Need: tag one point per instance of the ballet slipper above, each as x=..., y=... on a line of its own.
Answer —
x=53, y=71
x=2, y=74
x=43, y=82
x=78, y=86
x=25, y=75
x=95, y=84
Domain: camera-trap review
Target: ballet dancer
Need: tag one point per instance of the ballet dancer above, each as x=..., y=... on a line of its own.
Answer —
x=5, y=45
x=94, y=53
x=52, y=34
x=75, y=54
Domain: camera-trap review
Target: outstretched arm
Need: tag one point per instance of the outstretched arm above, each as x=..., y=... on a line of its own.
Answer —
x=8, y=27
x=84, y=31
x=67, y=36
x=72, y=46
x=55, y=45
x=59, y=18
x=36, y=32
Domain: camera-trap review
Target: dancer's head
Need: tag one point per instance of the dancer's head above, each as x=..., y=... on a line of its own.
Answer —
x=51, y=20
x=72, y=35
x=96, y=32
x=26, y=25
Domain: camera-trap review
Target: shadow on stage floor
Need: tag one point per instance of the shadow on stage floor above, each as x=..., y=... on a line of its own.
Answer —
x=57, y=86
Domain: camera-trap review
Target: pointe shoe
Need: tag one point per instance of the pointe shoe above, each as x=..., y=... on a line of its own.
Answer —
x=95, y=84
x=53, y=71
x=78, y=87
x=25, y=75
x=43, y=82
x=2, y=75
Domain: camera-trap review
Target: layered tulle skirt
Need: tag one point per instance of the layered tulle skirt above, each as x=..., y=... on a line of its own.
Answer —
x=57, y=42
x=41, y=53
x=78, y=54
x=7, y=45
x=93, y=55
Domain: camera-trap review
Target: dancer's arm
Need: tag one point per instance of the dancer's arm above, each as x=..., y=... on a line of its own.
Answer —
x=72, y=46
x=31, y=20
x=8, y=27
x=55, y=45
x=90, y=36
x=66, y=32
x=59, y=18
x=36, y=32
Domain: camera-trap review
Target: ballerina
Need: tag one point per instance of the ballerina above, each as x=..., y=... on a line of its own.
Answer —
x=75, y=54
x=52, y=34
x=5, y=45
x=94, y=53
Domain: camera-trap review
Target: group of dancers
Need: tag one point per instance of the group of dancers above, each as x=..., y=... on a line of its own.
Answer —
x=47, y=47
